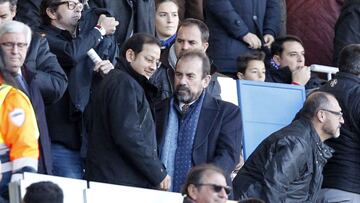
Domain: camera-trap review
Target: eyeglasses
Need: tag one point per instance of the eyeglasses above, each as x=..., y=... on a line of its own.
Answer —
x=71, y=4
x=152, y=61
x=216, y=188
x=339, y=114
x=12, y=45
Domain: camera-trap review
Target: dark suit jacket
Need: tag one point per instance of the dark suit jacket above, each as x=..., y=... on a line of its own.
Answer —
x=219, y=133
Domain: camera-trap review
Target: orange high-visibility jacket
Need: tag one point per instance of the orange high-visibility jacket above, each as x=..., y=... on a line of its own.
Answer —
x=18, y=131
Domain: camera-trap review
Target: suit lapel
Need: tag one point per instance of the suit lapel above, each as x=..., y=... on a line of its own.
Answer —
x=208, y=115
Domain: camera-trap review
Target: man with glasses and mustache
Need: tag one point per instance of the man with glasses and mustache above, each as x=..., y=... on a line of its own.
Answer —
x=192, y=126
x=287, y=166
x=70, y=39
x=341, y=173
x=205, y=183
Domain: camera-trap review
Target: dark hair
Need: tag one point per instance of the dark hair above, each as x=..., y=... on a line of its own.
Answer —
x=43, y=192
x=277, y=47
x=137, y=41
x=45, y=4
x=251, y=200
x=315, y=101
x=11, y=2
x=197, y=173
x=243, y=60
x=349, y=59
x=197, y=54
x=204, y=30
x=158, y=2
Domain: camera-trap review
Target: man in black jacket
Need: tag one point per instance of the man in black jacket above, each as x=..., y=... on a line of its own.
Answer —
x=42, y=69
x=71, y=34
x=287, y=166
x=122, y=144
x=341, y=173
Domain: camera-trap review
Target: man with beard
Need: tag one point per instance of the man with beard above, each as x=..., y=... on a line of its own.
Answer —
x=70, y=39
x=193, y=127
x=287, y=166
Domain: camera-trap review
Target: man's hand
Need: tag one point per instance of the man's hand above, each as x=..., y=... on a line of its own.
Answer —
x=108, y=23
x=269, y=39
x=301, y=75
x=103, y=67
x=165, y=184
x=252, y=40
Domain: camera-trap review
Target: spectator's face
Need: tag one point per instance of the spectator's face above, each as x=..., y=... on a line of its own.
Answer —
x=166, y=20
x=6, y=13
x=255, y=70
x=188, y=38
x=67, y=15
x=292, y=56
x=14, y=48
x=146, y=61
x=207, y=193
x=333, y=119
x=189, y=80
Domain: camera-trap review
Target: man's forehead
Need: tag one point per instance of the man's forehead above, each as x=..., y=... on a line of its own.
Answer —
x=190, y=32
x=13, y=36
x=291, y=46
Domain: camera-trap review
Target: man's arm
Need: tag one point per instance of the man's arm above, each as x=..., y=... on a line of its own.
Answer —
x=49, y=76
x=228, y=145
x=284, y=167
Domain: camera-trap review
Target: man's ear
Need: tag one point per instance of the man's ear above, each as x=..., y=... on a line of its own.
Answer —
x=240, y=76
x=206, y=81
x=51, y=13
x=192, y=192
x=130, y=55
x=321, y=116
x=205, y=46
x=13, y=11
x=276, y=59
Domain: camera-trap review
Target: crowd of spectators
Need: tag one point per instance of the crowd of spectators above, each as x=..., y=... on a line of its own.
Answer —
x=147, y=111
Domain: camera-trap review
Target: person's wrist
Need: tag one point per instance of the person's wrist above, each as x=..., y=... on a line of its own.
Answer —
x=295, y=83
x=101, y=29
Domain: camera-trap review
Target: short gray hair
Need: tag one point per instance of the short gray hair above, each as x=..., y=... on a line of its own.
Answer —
x=13, y=26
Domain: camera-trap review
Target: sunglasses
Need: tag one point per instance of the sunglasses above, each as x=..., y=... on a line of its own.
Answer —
x=216, y=188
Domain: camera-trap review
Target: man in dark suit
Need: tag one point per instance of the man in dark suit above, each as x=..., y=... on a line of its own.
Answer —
x=193, y=127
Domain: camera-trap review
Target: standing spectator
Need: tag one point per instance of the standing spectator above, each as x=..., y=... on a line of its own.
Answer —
x=313, y=21
x=192, y=126
x=42, y=69
x=19, y=131
x=122, y=141
x=346, y=28
x=205, y=183
x=192, y=35
x=341, y=173
x=287, y=166
x=69, y=40
x=135, y=16
x=237, y=26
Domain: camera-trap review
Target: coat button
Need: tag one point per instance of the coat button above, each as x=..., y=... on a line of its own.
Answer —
x=238, y=22
x=254, y=17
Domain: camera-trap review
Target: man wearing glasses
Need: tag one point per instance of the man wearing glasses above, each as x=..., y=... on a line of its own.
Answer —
x=70, y=39
x=341, y=173
x=287, y=166
x=205, y=184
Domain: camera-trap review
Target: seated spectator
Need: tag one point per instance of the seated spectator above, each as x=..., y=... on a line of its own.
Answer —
x=288, y=61
x=251, y=66
x=43, y=192
x=205, y=183
x=287, y=166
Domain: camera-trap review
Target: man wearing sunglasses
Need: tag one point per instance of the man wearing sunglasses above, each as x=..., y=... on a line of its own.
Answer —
x=341, y=173
x=287, y=166
x=205, y=184
x=71, y=34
